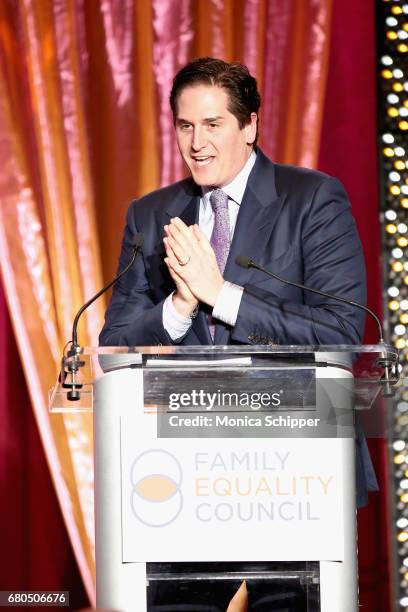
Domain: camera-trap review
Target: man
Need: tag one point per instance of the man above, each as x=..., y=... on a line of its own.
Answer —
x=295, y=222
x=187, y=288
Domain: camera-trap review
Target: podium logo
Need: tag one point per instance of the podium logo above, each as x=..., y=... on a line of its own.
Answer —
x=156, y=477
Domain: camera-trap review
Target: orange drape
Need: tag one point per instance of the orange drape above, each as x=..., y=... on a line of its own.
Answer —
x=84, y=127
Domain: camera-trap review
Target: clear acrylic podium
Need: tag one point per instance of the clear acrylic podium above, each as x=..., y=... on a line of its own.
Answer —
x=218, y=464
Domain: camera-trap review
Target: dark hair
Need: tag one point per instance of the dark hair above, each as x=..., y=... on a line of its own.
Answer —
x=236, y=79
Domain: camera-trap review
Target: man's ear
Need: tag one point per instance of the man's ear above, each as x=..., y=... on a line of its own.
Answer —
x=251, y=129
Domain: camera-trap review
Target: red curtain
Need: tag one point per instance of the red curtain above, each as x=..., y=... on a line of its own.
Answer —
x=348, y=150
x=35, y=549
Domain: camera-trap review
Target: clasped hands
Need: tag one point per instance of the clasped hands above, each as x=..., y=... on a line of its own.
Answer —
x=193, y=266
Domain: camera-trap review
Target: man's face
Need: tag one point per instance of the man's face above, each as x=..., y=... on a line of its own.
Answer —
x=209, y=137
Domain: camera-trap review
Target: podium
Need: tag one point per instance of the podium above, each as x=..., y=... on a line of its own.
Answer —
x=227, y=463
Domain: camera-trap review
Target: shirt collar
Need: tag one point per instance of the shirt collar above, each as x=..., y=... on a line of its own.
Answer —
x=236, y=188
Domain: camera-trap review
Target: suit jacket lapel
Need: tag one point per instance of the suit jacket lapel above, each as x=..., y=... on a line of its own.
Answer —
x=186, y=207
x=185, y=204
x=259, y=211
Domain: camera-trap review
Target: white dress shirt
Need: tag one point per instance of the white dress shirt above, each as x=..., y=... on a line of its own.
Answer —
x=229, y=298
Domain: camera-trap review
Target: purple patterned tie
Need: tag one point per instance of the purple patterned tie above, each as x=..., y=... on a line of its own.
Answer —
x=220, y=237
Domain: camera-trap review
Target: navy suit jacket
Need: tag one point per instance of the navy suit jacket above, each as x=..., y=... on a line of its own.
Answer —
x=293, y=221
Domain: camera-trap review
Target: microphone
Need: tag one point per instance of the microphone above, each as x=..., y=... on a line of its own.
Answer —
x=246, y=262
x=71, y=361
x=136, y=247
x=391, y=375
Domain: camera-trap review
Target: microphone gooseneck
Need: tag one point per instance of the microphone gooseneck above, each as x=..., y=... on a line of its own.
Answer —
x=136, y=247
x=71, y=361
x=391, y=375
x=246, y=262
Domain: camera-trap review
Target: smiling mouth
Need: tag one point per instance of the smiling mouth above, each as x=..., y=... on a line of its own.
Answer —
x=203, y=160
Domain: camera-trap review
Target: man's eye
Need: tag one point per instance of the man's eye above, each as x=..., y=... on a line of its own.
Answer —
x=213, y=125
x=185, y=126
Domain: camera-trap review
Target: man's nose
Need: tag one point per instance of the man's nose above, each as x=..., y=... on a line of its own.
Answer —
x=198, y=140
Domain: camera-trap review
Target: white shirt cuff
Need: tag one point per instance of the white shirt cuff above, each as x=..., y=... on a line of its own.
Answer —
x=228, y=302
x=175, y=324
